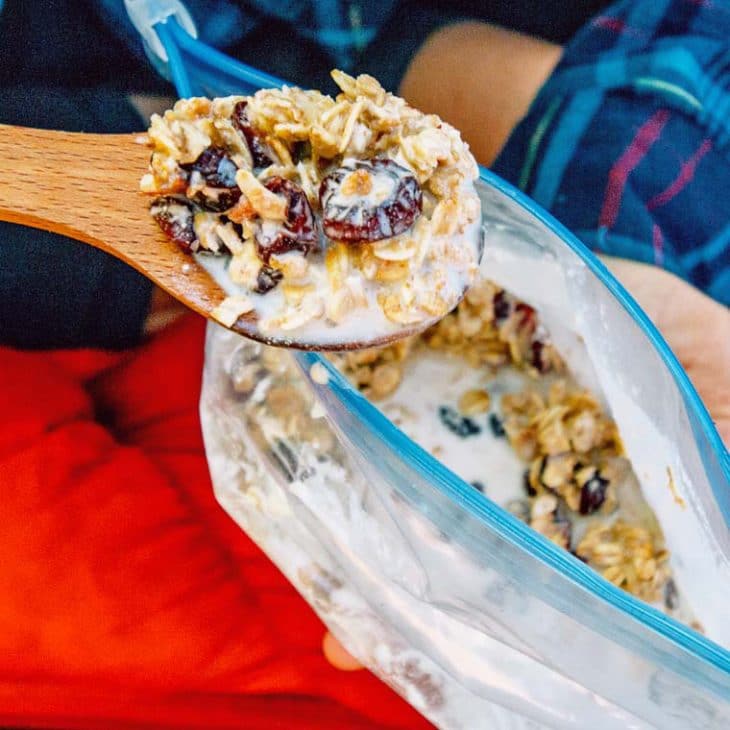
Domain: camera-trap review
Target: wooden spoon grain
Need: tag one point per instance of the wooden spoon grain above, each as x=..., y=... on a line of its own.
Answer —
x=86, y=187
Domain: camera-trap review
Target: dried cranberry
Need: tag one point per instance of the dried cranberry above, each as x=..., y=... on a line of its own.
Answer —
x=297, y=233
x=218, y=172
x=501, y=305
x=216, y=167
x=301, y=150
x=350, y=214
x=528, y=315
x=260, y=154
x=593, y=494
x=174, y=215
x=268, y=278
x=536, y=359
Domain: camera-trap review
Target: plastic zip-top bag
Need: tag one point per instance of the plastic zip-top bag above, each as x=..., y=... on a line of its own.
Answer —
x=403, y=521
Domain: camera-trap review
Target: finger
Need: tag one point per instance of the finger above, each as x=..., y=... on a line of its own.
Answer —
x=338, y=656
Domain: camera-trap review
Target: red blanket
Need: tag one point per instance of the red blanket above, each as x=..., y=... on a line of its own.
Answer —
x=128, y=598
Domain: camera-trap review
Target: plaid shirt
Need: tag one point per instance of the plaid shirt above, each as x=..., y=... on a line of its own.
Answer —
x=627, y=143
x=341, y=27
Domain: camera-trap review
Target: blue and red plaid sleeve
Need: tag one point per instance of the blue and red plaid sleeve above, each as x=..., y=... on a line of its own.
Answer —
x=628, y=142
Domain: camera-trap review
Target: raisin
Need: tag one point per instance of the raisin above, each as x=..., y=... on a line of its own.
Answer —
x=349, y=211
x=531, y=491
x=495, y=423
x=671, y=595
x=217, y=200
x=528, y=316
x=301, y=150
x=260, y=154
x=501, y=306
x=268, y=278
x=218, y=172
x=174, y=215
x=593, y=494
x=536, y=359
x=479, y=486
x=286, y=458
x=297, y=233
x=462, y=426
x=216, y=167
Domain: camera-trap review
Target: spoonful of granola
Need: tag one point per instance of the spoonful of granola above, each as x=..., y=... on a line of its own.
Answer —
x=291, y=217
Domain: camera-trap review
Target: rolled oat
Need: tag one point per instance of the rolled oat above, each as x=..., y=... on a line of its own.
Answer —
x=362, y=200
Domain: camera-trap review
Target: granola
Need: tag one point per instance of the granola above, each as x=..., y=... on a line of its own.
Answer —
x=574, y=461
x=327, y=208
x=627, y=555
x=490, y=328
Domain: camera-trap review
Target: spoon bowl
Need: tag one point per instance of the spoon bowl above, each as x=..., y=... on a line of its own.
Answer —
x=86, y=187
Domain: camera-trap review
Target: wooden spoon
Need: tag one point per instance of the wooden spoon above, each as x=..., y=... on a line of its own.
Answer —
x=86, y=187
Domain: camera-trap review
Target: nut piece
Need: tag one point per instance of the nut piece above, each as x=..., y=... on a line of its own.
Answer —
x=264, y=202
x=230, y=309
x=357, y=183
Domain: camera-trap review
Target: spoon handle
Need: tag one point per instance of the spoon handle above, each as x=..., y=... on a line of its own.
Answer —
x=86, y=187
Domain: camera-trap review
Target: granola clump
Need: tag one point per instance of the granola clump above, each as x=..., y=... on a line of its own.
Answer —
x=326, y=206
x=627, y=555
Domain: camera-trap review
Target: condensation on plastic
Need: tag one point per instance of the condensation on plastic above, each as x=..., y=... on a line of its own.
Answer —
x=477, y=620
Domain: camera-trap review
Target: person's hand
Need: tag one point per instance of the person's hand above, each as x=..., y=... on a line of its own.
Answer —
x=337, y=655
x=696, y=327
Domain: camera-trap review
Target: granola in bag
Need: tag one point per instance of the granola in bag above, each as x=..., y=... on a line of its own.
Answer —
x=578, y=486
